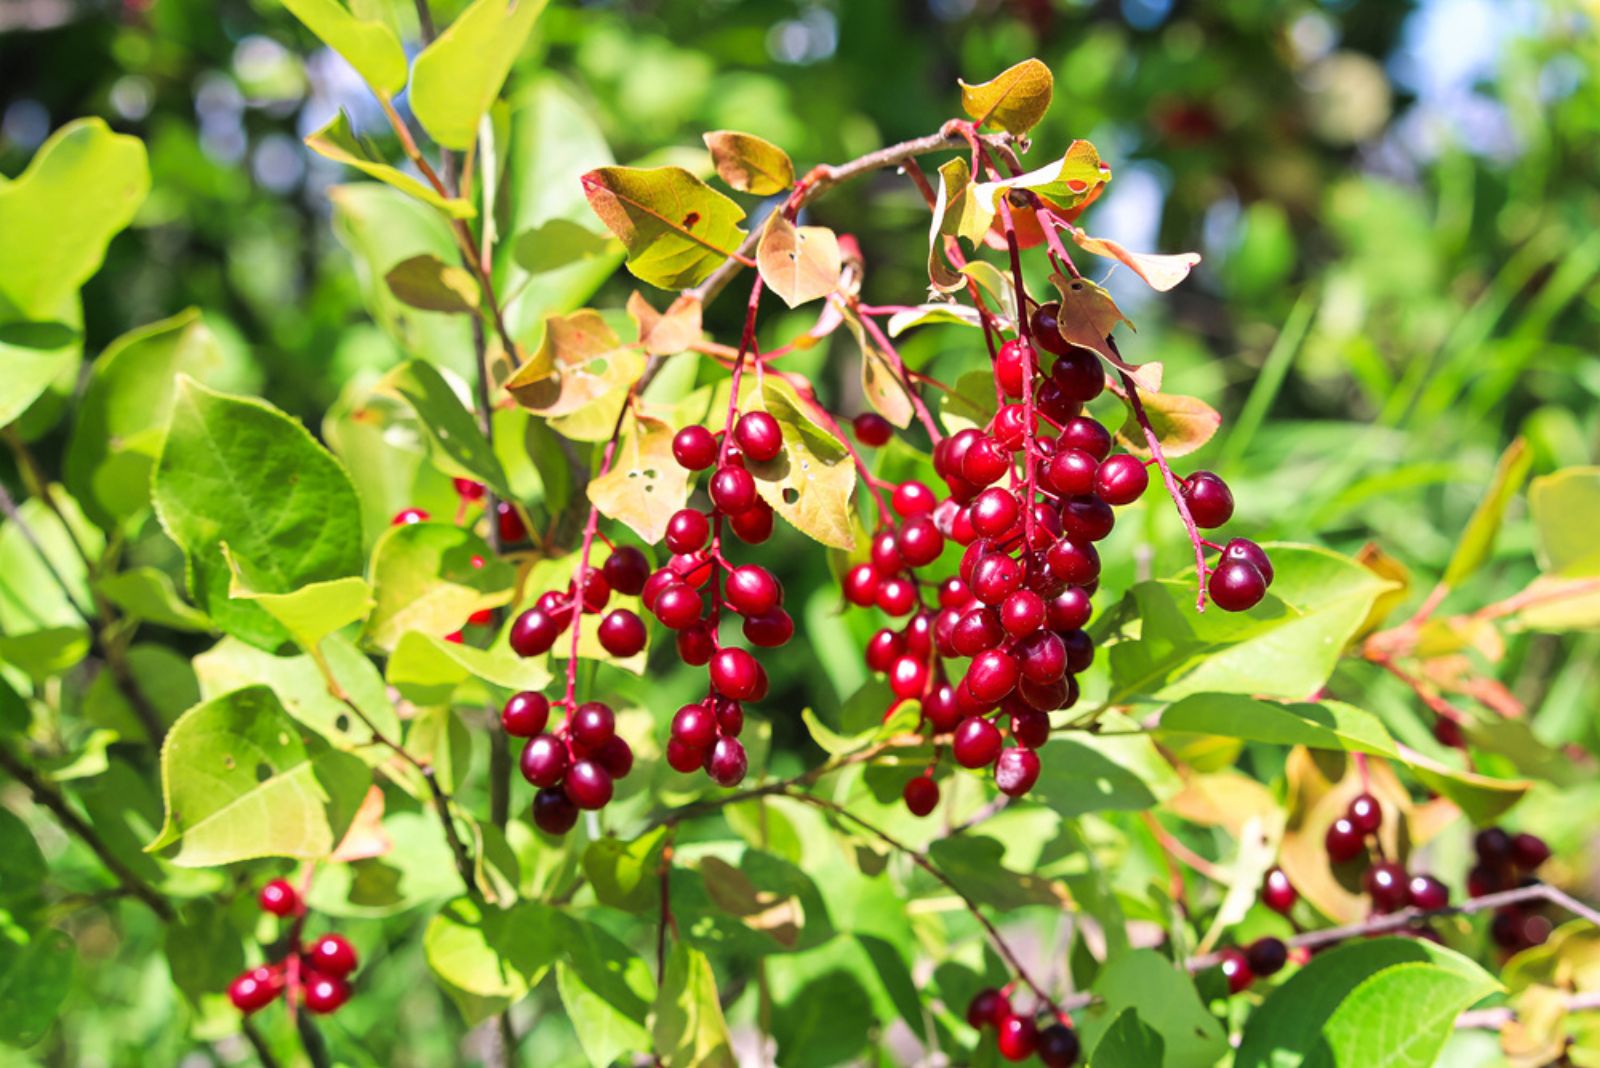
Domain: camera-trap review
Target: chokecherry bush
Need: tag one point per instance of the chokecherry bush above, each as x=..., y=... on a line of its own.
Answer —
x=417, y=677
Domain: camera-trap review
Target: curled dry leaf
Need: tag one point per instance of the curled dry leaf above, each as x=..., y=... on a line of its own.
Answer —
x=949, y=206
x=799, y=263
x=749, y=163
x=1068, y=186
x=670, y=332
x=579, y=361
x=1087, y=317
x=1161, y=272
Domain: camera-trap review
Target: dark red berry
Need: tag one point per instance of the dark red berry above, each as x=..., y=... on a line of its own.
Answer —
x=525, y=714
x=977, y=743
x=1058, y=1046
x=754, y=524
x=1011, y=366
x=1266, y=956
x=1249, y=552
x=695, y=645
x=588, y=784
x=727, y=762
x=1209, y=500
x=1079, y=375
x=544, y=760
x=622, y=633
x=1016, y=770
x=325, y=993
x=255, y=989
x=752, y=591
x=912, y=498
x=616, y=756
x=872, y=429
x=684, y=758
x=1493, y=846
x=332, y=955
x=1044, y=326
x=1030, y=727
x=694, y=448
x=1070, y=609
x=1277, y=892
x=1087, y=434
x=1485, y=879
x=534, y=632
x=1385, y=883
x=733, y=490
x=1236, y=586
x=992, y=675
x=759, y=435
x=509, y=522
x=987, y=1008
x=678, y=606
x=921, y=795
x=593, y=724
x=985, y=461
x=1235, y=969
x=994, y=512
x=1343, y=841
x=1528, y=851
x=1365, y=813
x=687, y=530
x=553, y=811
x=735, y=673
x=1426, y=892
x=626, y=570
x=1086, y=518
x=1017, y=1037
x=1121, y=479
x=279, y=898
x=770, y=629
x=1022, y=613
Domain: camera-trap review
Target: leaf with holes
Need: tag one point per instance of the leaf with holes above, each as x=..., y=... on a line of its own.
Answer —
x=241, y=780
x=810, y=481
x=677, y=229
x=645, y=485
x=799, y=263
x=882, y=387
x=338, y=141
x=670, y=332
x=749, y=163
x=431, y=577
x=427, y=282
x=1160, y=272
x=370, y=46
x=1181, y=424
x=1015, y=100
x=459, y=75
x=580, y=365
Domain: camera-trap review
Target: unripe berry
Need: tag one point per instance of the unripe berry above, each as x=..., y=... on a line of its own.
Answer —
x=872, y=429
x=921, y=795
x=694, y=448
x=525, y=714
x=553, y=811
x=279, y=898
x=759, y=436
x=332, y=955
x=622, y=633
x=976, y=743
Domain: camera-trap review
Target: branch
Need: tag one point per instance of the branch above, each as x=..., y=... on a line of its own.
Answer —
x=1496, y=1018
x=1173, y=489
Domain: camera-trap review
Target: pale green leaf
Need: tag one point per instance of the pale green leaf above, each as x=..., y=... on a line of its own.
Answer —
x=427, y=669
x=458, y=77
x=425, y=579
x=488, y=959
x=811, y=480
x=1477, y=540
x=459, y=447
x=689, y=1028
x=1566, y=512
x=148, y=595
x=370, y=46
x=312, y=612
x=339, y=142
x=1191, y=1036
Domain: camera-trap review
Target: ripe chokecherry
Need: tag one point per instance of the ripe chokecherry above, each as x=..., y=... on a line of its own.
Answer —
x=279, y=898
x=1266, y=956
x=593, y=724
x=255, y=989
x=1426, y=892
x=553, y=811
x=1209, y=500
x=987, y=1008
x=1235, y=969
x=622, y=633
x=588, y=785
x=977, y=742
x=727, y=762
x=872, y=429
x=525, y=714
x=325, y=993
x=1343, y=841
x=921, y=795
x=1017, y=1037
x=332, y=955
x=408, y=516
x=626, y=570
x=1058, y=1046
x=1365, y=813
x=694, y=448
x=544, y=760
x=759, y=436
x=1236, y=586
x=1277, y=892
x=1121, y=479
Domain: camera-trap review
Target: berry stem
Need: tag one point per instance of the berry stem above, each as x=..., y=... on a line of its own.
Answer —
x=1030, y=359
x=1171, y=482
x=883, y=342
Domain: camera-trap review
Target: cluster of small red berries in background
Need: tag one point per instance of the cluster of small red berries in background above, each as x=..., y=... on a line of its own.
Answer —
x=1028, y=524
x=1018, y=1036
x=575, y=768
x=1386, y=882
x=316, y=974
x=1507, y=861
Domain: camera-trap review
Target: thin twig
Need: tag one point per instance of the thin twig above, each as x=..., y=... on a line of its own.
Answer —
x=1174, y=490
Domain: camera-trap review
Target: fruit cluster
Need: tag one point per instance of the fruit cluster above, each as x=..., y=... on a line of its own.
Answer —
x=1386, y=882
x=316, y=974
x=574, y=768
x=1028, y=497
x=1018, y=1035
x=1506, y=861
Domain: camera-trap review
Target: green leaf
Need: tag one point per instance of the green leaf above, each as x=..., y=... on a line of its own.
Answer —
x=607, y=992
x=427, y=282
x=458, y=77
x=1383, y=1003
x=971, y=404
x=689, y=1029
x=312, y=612
x=488, y=959
x=1129, y=1043
x=1143, y=978
x=339, y=142
x=1182, y=424
x=22, y=866
x=164, y=675
x=677, y=229
x=83, y=185
x=425, y=579
x=973, y=862
x=458, y=445
x=930, y=314
x=44, y=633
x=148, y=595
x=645, y=485
x=237, y=470
x=34, y=979
x=203, y=949
x=1014, y=101
x=241, y=782
x=1566, y=512
x=1117, y=771
x=370, y=46
x=624, y=874
x=427, y=670
x=827, y=1021
x=749, y=163
x=798, y=263
x=811, y=480
x=35, y=357
x=1287, y=646
x=1477, y=540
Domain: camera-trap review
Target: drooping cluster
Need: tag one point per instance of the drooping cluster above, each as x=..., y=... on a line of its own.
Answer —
x=1028, y=497
x=574, y=767
x=1018, y=1035
x=1507, y=861
x=314, y=974
x=1385, y=882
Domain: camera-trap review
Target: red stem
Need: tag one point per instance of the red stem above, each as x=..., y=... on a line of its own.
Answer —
x=1029, y=358
x=882, y=340
x=1173, y=489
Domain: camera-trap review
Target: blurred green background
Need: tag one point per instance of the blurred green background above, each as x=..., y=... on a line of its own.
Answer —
x=1396, y=203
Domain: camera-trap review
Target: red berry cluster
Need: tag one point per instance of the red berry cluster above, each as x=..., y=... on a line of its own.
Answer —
x=1262, y=958
x=1385, y=882
x=1506, y=861
x=576, y=767
x=1018, y=1035
x=317, y=974
x=1027, y=502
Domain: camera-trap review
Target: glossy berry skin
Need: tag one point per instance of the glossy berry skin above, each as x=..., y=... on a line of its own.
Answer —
x=1070, y=609
x=279, y=898
x=332, y=955
x=1247, y=551
x=1045, y=329
x=1016, y=770
x=1277, y=892
x=770, y=629
x=694, y=448
x=1087, y=434
x=588, y=785
x=694, y=645
x=912, y=498
x=861, y=585
x=678, y=606
x=920, y=542
x=994, y=512
x=1011, y=367
x=1017, y=1037
x=1087, y=518
x=687, y=530
x=1492, y=845
x=593, y=724
x=993, y=674
x=1385, y=883
x=1071, y=472
x=758, y=436
x=727, y=762
x=616, y=756
x=525, y=714
x=733, y=490
x=626, y=570
x=1528, y=851
x=695, y=726
x=896, y=596
x=1266, y=956
x=921, y=795
x=1235, y=969
x=622, y=633
x=1030, y=727
x=1426, y=892
x=1058, y=1046
x=684, y=759
x=1022, y=613
x=1365, y=813
x=987, y=1008
x=1236, y=586
x=553, y=811
x=754, y=524
x=1079, y=375
x=544, y=760
x=752, y=591
x=977, y=743
x=1209, y=499
x=872, y=429
x=534, y=632
x=908, y=677
x=1343, y=842
x=1121, y=480
x=407, y=516
x=509, y=522
x=1485, y=879
x=735, y=673
x=325, y=993
x=255, y=989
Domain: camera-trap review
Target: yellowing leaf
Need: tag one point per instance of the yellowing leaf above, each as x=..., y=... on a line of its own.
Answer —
x=338, y=142
x=645, y=484
x=1014, y=101
x=670, y=332
x=369, y=46
x=459, y=75
x=1182, y=424
x=1070, y=185
x=799, y=264
x=676, y=228
x=883, y=388
x=427, y=282
x=313, y=611
x=1380, y=563
x=581, y=362
x=1161, y=272
x=808, y=483
x=1088, y=315
x=749, y=163
x=949, y=209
